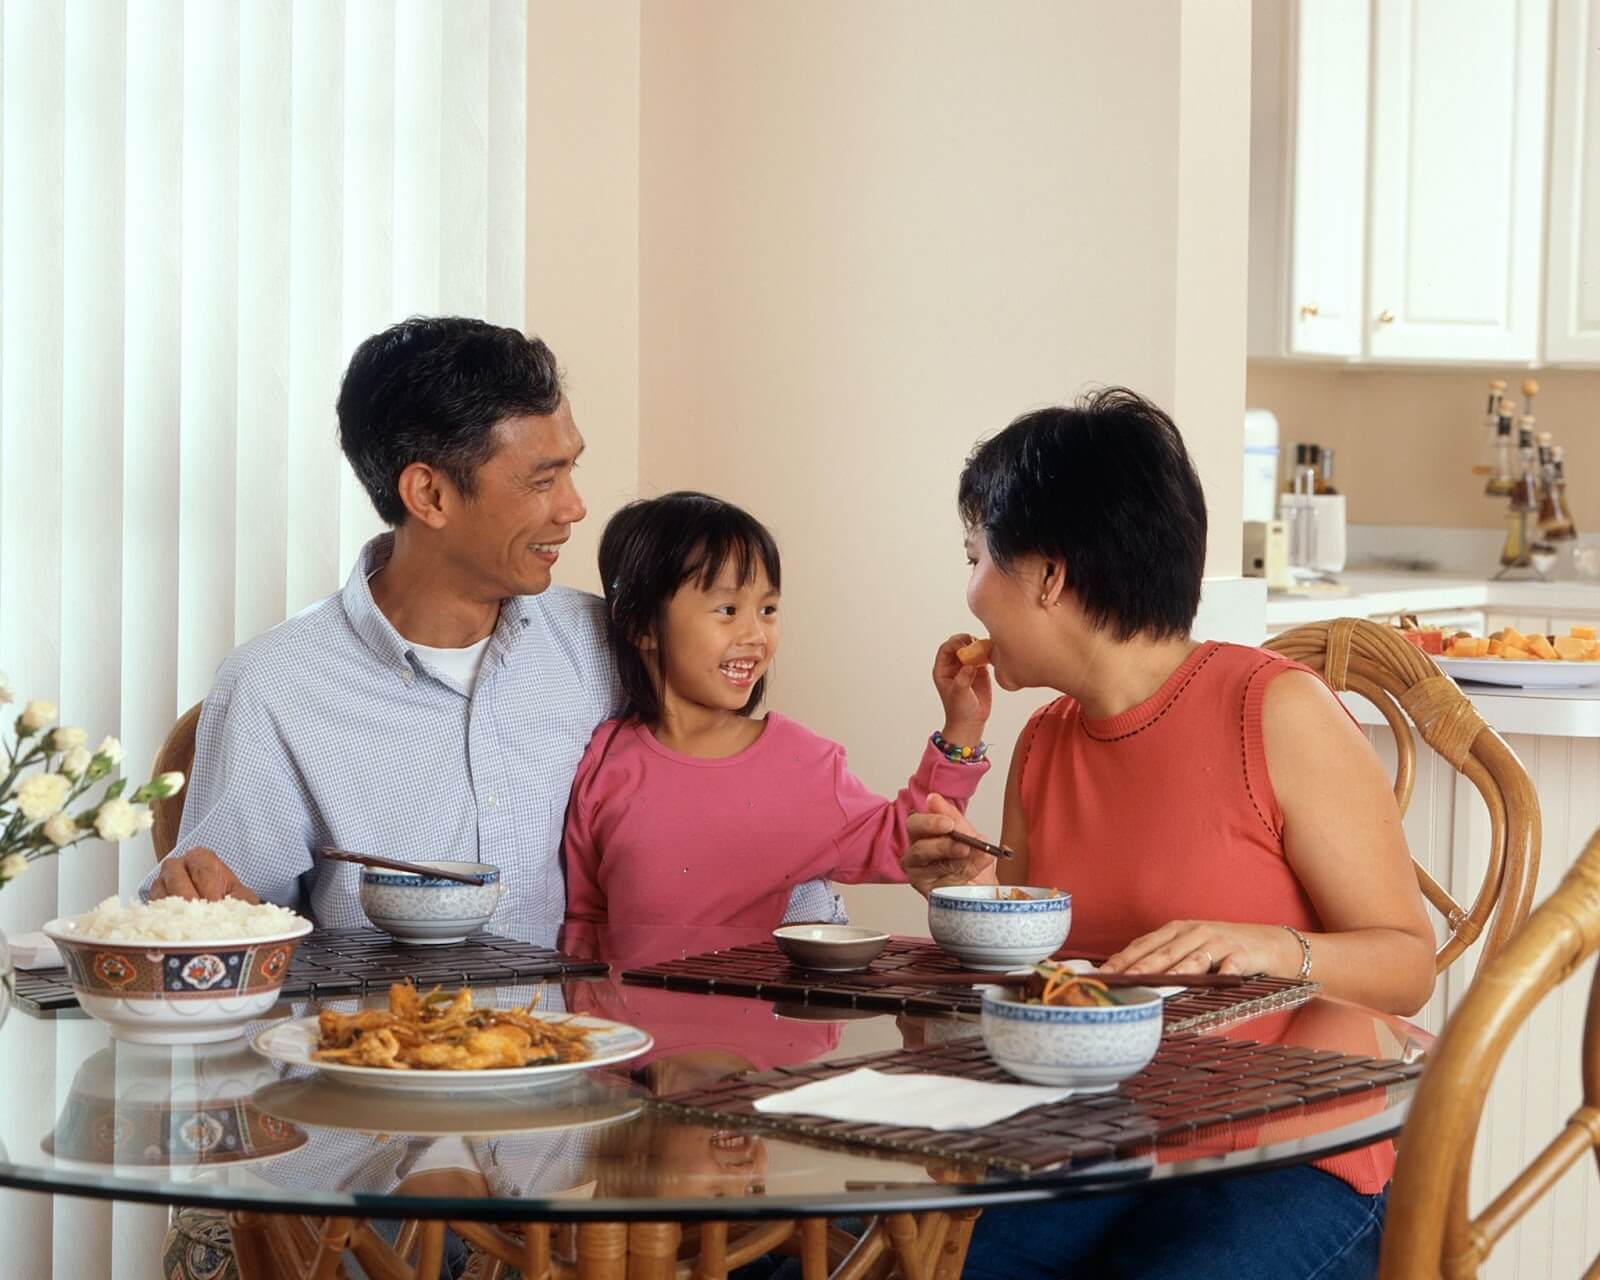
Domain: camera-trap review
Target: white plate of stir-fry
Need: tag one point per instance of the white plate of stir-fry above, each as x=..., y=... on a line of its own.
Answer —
x=438, y=1042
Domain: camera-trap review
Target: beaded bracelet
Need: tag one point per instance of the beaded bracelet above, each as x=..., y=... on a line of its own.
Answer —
x=1305, y=951
x=955, y=754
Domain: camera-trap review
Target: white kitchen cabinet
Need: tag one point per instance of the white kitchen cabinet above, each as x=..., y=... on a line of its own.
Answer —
x=1572, y=315
x=1459, y=103
x=1309, y=176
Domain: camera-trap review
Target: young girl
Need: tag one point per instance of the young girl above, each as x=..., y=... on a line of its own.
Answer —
x=688, y=809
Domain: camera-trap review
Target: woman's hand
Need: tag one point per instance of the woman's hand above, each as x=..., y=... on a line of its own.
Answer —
x=1211, y=946
x=933, y=860
x=965, y=692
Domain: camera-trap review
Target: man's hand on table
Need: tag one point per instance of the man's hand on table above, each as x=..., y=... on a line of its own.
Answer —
x=200, y=874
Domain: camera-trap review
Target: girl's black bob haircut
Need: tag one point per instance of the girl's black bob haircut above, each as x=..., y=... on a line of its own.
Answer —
x=652, y=547
x=1106, y=488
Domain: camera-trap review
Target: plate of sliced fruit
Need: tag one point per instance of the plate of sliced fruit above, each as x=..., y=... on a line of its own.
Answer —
x=1510, y=658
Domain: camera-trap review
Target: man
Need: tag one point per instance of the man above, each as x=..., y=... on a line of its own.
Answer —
x=437, y=706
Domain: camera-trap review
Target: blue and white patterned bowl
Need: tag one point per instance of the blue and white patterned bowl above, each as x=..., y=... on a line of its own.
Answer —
x=990, y=932
x=425, y=910
x=1088, y=1048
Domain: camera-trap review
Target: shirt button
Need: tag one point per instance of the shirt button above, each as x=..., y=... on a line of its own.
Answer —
x=491, y=801
x=407, y=675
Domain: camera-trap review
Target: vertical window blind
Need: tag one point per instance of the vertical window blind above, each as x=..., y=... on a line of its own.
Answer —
x=204, y=207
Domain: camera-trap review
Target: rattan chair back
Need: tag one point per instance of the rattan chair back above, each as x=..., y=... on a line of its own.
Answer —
x=177, y=752
x=1430, y=1231
x=1409, y=689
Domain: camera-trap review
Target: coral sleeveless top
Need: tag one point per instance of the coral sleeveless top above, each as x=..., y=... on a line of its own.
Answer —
x=1166, y=812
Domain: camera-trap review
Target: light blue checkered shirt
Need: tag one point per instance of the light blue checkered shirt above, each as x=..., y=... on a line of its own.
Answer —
x=329, y=729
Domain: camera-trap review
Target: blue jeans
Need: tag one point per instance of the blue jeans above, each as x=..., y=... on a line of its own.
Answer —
x=1289, y=1224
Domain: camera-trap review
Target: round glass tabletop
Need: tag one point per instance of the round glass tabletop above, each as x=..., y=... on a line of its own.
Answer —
x=221, y=1126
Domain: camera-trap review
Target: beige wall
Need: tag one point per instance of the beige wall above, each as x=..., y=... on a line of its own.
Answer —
x=583, y=239
x=1406, y=440
x=870, y=234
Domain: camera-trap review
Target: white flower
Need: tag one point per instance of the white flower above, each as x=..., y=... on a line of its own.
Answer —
x=61, y=830
x=116, y=820
x=171, y=783
x=7, y=694
x=67, y=737
x=75, y=762
x=12, y=866
x=41, y=795
x=37, y=714
x=146, y=819
x=111, y=749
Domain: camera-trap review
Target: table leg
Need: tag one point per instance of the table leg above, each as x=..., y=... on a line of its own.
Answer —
x=252, y=1246
x=953, y=1253
x=602, y=1251
x=653, y=1250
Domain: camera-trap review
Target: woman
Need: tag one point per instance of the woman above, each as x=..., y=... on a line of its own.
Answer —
x=1210, y=807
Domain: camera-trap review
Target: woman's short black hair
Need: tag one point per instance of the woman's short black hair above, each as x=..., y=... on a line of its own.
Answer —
x=432, y=389
x=1107, y=488
x=652, y=547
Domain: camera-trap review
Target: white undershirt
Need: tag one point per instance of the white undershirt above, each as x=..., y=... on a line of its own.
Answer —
x=459, y=665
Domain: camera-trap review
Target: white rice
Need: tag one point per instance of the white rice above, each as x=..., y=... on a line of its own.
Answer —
x=183, y=920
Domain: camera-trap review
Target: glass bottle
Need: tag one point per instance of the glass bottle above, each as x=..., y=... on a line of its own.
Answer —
x=1500, y=483
x=1562, y=527
x=1491, y=431
x=1546, y=478
x=1325, y=473
x=1525, y=494
x=1303, y=475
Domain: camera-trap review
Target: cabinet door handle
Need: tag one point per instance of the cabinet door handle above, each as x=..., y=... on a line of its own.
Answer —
x=1307, y=309
x=1385, y=317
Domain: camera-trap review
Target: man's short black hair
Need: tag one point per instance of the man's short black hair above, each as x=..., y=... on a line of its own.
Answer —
x=652, y=547
x=432, y=389
x=1106, y=488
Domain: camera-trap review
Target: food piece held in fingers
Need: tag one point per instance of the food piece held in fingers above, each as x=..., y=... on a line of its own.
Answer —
x=975, y=654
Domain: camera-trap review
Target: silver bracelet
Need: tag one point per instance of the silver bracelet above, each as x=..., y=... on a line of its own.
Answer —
x=1305, y=951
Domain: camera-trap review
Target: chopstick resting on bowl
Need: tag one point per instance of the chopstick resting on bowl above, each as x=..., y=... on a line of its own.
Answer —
x=972, y=842
x=394, y=864
x=974, y=979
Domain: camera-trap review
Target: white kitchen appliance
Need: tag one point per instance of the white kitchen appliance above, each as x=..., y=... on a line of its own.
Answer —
x=1260, y=465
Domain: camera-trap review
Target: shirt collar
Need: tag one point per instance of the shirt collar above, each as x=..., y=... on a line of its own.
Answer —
x=375, y=630
x=378, y=633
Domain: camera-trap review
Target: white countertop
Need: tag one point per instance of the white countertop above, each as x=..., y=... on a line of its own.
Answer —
x=1558, y=713
x=1550, y=713
x=1378, y=592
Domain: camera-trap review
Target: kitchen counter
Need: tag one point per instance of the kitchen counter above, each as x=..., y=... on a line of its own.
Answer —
x=1543, y=713
x=1374, y=592
x=1550, y=713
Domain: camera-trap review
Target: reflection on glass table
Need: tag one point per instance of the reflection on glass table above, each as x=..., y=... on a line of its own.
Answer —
x=217, y=1125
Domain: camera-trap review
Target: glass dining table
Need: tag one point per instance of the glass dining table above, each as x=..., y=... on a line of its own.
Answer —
x=588, y=1176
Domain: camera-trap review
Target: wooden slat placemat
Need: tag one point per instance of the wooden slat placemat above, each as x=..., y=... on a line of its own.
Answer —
x=762, y=971
x=1195, y=1083
x=346, y=962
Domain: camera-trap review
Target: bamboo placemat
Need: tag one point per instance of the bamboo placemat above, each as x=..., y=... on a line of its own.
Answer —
x=762, y=971
x=1195, y=1083
x=344, y=962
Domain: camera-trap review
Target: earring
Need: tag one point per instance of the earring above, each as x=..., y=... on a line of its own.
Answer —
x=1044, y=599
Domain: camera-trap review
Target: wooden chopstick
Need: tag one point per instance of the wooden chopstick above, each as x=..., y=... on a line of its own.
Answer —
x=972, y=842
x=904, y=979
x=393, y=864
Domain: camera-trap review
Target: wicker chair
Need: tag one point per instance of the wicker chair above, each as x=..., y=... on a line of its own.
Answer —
x=1408, y=688
x=1429, y=1231
x=177, y=752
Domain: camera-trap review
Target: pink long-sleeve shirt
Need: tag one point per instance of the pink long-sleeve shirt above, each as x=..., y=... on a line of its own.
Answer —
x=657, y=837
